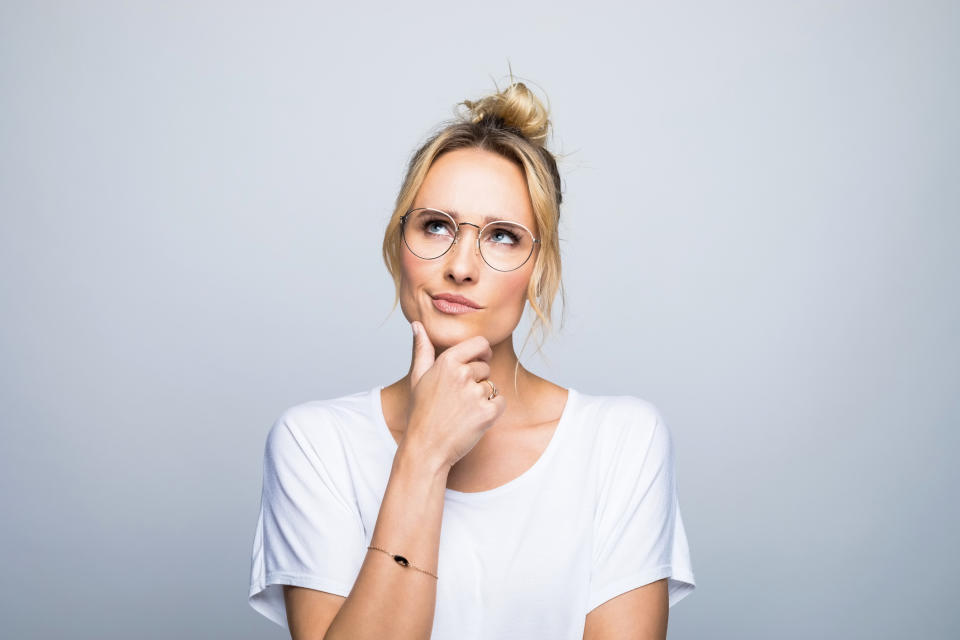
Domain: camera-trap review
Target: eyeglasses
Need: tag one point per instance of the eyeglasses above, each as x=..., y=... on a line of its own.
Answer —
x=504, y=245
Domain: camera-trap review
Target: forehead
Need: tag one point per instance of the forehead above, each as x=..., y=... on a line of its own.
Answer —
x=475, y=185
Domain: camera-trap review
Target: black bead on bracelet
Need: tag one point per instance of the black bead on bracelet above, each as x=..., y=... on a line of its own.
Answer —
x=403, y=562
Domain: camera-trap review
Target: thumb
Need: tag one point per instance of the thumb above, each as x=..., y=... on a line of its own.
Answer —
x=423, y=353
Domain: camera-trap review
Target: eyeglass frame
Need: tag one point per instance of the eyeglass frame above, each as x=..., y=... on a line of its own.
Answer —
x=456, y=236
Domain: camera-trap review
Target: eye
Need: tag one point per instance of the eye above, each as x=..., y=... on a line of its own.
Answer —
x=436, y=226
x=500, y=235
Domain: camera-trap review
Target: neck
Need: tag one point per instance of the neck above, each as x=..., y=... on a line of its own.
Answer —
x=514, y=383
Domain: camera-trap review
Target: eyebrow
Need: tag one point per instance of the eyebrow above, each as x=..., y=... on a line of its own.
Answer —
x=456, y=215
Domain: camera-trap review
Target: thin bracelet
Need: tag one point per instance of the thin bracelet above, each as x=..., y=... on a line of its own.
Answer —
x=403, y=561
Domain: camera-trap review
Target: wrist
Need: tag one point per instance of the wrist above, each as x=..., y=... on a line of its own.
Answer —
x=413, y=457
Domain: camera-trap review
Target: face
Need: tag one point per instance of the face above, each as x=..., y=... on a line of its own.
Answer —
x=469, y=184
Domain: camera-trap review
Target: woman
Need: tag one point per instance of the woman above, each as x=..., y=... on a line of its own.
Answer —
x=472, y=498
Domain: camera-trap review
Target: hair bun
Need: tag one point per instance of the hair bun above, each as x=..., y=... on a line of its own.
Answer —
x=516, y=107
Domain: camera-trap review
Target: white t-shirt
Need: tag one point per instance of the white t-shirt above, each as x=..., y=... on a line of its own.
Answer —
x=596, y=516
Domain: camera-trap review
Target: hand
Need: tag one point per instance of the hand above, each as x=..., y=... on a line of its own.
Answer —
x=449, y=411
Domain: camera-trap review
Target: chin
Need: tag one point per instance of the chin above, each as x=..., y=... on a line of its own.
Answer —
x=448, y=329
x=449, y=333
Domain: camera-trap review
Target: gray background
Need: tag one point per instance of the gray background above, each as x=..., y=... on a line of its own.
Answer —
x=759, y=236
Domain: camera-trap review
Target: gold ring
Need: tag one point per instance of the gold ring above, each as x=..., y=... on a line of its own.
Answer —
x=493, y=389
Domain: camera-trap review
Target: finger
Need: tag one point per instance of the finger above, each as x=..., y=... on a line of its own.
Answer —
x=424, y=353
x=500, y=403
x=475, y=348
x=479, y=370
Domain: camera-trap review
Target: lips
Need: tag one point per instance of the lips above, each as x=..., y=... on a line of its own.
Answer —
x=452, y=297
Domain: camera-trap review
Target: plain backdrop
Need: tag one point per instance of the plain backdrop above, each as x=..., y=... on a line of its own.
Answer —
x=759, y=235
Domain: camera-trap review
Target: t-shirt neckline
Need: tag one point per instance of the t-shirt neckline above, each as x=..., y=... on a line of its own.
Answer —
x=376, y=402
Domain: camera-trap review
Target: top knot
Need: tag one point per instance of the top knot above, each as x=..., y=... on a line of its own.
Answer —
x=516, y=107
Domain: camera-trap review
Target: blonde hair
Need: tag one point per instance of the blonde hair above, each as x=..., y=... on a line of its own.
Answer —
x=514, y=124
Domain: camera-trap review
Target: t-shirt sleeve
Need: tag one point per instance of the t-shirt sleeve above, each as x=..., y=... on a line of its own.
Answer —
x=309, y=531
x=638, y=531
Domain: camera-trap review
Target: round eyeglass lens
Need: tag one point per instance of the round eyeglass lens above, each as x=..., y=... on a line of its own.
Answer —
x=505, y=246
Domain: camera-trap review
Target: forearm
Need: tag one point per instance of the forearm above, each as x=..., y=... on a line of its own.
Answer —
x=387, y=599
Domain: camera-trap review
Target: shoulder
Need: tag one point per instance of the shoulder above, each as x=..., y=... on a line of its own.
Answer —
x=625, y=424
x=619, y=413
x=318, y=425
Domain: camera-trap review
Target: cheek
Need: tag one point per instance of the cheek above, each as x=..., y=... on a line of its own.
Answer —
x=514, y=290
x=412, y=275
x=408, y=270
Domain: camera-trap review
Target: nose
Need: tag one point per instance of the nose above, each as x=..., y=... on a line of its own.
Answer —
x=463, y=259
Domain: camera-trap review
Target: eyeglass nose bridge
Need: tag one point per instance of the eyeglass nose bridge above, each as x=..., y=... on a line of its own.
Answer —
x=460, y=225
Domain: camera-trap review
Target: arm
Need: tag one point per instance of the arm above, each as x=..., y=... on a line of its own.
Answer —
x=639, y=614
x=387, y=600
x=449, y=413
